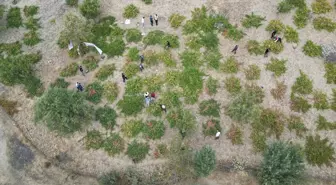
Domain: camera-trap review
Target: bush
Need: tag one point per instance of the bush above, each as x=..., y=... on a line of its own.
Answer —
x=31, y=38
x=311, y=49
x=211, y=127
x=167, y=58
x=11, y=49
x=32, y=24
x=2, y=10
x=154, y=129
x=71, y=2
x=62, y=110
x=275, y=25
x=106, y=116
x=295, y=123
x=33, y=86
x=90, y=8
x=111, y=91
x=115, y=47
x=254, y=47
x=303, y=85
x=320, y=100
x=104, y=27
x=133, y=35
x=114, y=144
x=154, y=37
x=30, y=10
x=205, y=161
x=191, y=82
x=291, y=35
x=93, y=139
x=230, y=65
x=111, y=178
x=330, y=74
x=213, y=58
x=252, y=72
x=333, y=103
x=209, y=40
x=151, y=58
x=14, y=19
x=234, y=34
x=137, y=151
x=321, y=7
x=275, y=47
x=282, y=164
x=299, y=104
x=270, y=122
x=252, y=21
x=277, y=66
x=211, y=86
x=134, y=86
x=131, y=105
x=9, y=106
x=94, y=92
x=193, y=42
x=170, y=99
x=183, y=120
x=209, y=108
x=176, y=20
x=255, y=91
x=190, y=59
x=130, y=11
x=90, y=63
x=298, y=3
x=232, y=85
x=235, y=135
x=279, y=91
x=323, y=23
x=319, y=151
x=105, y=71
x=60, y=83
x=323, y=124
x=130, y=69
x=301, y=17
x=70, y=70
x=258, y=140
x=133, y=54
x=132, y=128
x=153, y=83
x=173, y=40
x=147, y=1
x=284, y=6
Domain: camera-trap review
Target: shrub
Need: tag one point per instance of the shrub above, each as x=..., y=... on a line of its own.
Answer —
x=11, y=49
x=106, y=116
x=282, y=164
x=170, y=99
x=254, y=47
x=319, y=151
x=330, y=74
x=183, y=120
x=321, y=7
x=234, y=34
x=60, y=83
x=133, y=35
x=275, y=25
x=131, y=105
x=211, y=127
x=284, y=6
x=30, y=10
x=333, y=103
x=31, y=38
x=232, y=85
x=252, y=21
x=32, y=24
x=70, y=70
x=295, y=123
x=209, y=108
x=111, y=91
x=115, y=47
x=154, y=37
x=162, y=149
x=277, y=66
x=151, y=58
x=299, y=104
x=9, y=106
x=192, y=84
x=134, y=86
x=303, y=85
x=104, y=27
x=154, y=129
x=190, y=59
x=62, y=110
x=133, y=54
x=173, y=40
x=279, y=91
x=137, y=151
x=323, y=124
x=105, y=71
x=110, y=178
x=323, y=23
x=90, y=63
x=114, y=144
x=205, y=161
x=130, y=69
x=167, y=58
x=71, y=2
x=147, y=1
x=130, y=11
x=320, y=100
x=271, y=122
x=153, y=83
x=93, y=139
x=90, y=8
x=291, y=35
x=255, y=91
x=193, y=42
x=275, y=47
x=209, y=40
x=311, y=49
x=301, y=17
x=235, y=135
x=252, y=72
x=230, y=65
x=176, y=20
x=213, y=58
x=132, y=128
x=14, y=19
x=298, y=3
x=33, y=86
x=258, y=140
x=211, y=86
x=2, y=10
x=94, y=92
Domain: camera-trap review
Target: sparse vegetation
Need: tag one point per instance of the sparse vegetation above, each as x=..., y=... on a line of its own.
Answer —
x=105, y=71
x=9, y=106
x=191, y=83
x=323, y=124
x=93, y=139
x=154, y=129
x=131, y=11
x=230, y=66
x=320, y=100
x=94, y=92
x=137, y=151
x=106, y=116
x=275, y=47
x=31, y=38
x=321, y=6
x=254, y=47
x=295, y=123
x=333, y=103
x=330, y=74
x=291, y=35
x=319, y=151
x=284, y=6
x=131, y=105
x=30, y=10
x=323, y=23
x=130, y=69
x=111, y=91
x=311, y=49
x=10, y=49
x=32, y=24
x=211, y=127
x=211, y=86
x=90, y=8
x=114, y=144
x=205, y=161
x=14, y=19
x=90, y=63
x=277, y=66
x=132, y=128
x=279, y=91
x=213, y=58
x=235, y=135
x=252, y=21
x=303, y=85
x=72, y=2
x=133, y=35
x=60, y=83
x=209, y=108
x=232, y=85
x=299, y=104
x=154, y=37
x=258, y=140
x=301, y=17
x=275, y=25
x=147, y=1
x=182, y=120
x=176, y=20
x=252, y=72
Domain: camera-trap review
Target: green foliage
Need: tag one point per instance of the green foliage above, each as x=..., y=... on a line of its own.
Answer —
x=323, y=124
x=204, y=161
x=132, y=128
x=232, y=85
x=73, y=53
x=234, y=33
x=167, y=58
x=111, y=91
x=323, y=23
x=190, y=59
x=60, y=83
x=209, y=40
x=333, y=103
x=147, y=1
x=295, y=123
x=284, y=6
x=172, y=78
x=134, y=86
x=131, y=105
x=62, y=110
x=235, y=135
x=298, y=3
x=30, y=10
x=133, y=35
x=192, y=84
x=114, y=144
x=71, y=2
x=291, y=35
x=303, y=85
x=211, y=127
x=106, y=116
x=105, y=71
x=70, y=70
x=33, y=86
x=90, y=63
x=10, y=49
x=154, y=129
x=283, y=164
x=93, y=139
x=31, y=38
x=301, y=17
x=209, y=108
x=154, y=37
x=275, y=25
x=311, y=49
x=256, y=91
x=14, y=19
x=151, y=58
x=115, y=47
x=94, y=92
x=176, y=20
x=330, y=74
x=320, y=100
x=213, y=57
x=252, y=72
x=32, y=24
x=319, y=151
x=131, y=11
x=299, y=104
x=270, y=122
x=211, y=86
x=137, y=151
x=104, y=27
x=275, y=47
x=2, y=10
x=252, y=21
x=90, y=8
x=193, y=42
x=170, y=99
x=173, y=40
x=130, y=69
x=321, y=7
x=258, y=140
x=277, y=66
x=133, y=54
x=254, y=47
x=110, y=178
x=230, y=65
x=153, y=83
x=183, y=120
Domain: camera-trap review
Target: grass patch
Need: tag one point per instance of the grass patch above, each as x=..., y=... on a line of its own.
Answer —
x=11, y=49
x=154, y=129
x=323, y=23
x=32, y=24
x=154, y=37
x=254, y=47
x=209, y=108
x=132, y=128
x=131, y=105
x=231, y=65
x=173, y=40
x=31, y=38
x=275, y=47
x=9, y=106
x=94, y=92
x=303, y=85
x=209, y=40
x=192, y=84
x=235, y=135
x=319, y=151
x=211, y=86
x=133, y=35
x=213, y=57
x=284, y=6
x=114, y=144
x=333, y=103
x=252, y=72
x=176, y=20
x=30, y=10
x=167, y=58
x=137, y=151
x=134, y=86
x=90, y=8
x=232, y=85
x=279, y=91
x=151, y=58
x=115, y=47
x=71, y=2
x=271, y=122
x=311, y=49
x=60, y=83
x=258, y=140
x=111, y=91
x=193, y=42
x=320, y=100
x=93, y=139
x=275, y=25
x=234, y=33
x=2, y=10
x=255, y=91
x=70, y=70
x=105, y=71
x=191, y=59
x=161, y=150
x=153, y=83
x=330, y=74
x=211, y=127
x=90, y=63
x=277, y=66
x=323, y=124
x=301, y=17
x=106, y=116
x=295, y=124
x=252, y=21
x=131, y=11
x=170, y=99
x=321, y=7
x=133, y=54
x=130, y=69
x=291, y=35
x=183, y=120
x=147, y=1
x=299, y=104
x=14, y=19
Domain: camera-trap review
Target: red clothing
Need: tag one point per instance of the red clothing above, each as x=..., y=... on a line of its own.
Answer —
x=153, y=95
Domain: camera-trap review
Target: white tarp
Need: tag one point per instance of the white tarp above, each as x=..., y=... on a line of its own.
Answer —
x=93, y=45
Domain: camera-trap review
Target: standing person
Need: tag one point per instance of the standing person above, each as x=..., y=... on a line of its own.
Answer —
x=163, y=108
x=217, y=134
x=81, y=70
x=77, y=86
x=235, y=49
x=279, y=40
x=147, y=100
x=156, y=18
x=151, y=20
x=143, y=22
x=142, y=58
x=146, y=95
x=123, y=77
x=168, y=45
x=266, y=52
x=141, y=67
x=273, y=34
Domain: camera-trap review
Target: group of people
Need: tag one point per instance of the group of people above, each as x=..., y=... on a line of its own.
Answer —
x=151, y=20
x=276, y=39
x=150, y=98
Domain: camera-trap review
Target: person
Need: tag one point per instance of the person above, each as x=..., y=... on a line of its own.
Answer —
x=141, y=67
x=163, y=108
x=143, y=22
x=279, y=40
x=81, y=70
x=142, y=58
x=153, y=95
x=266, y=52
x=147, y=100
x=273, y=34
x=276, y=38
x=123, y=77
x=156, y=18
x=146, y=94
x=217, y=134
x=79, y=87
x=168, y=45
x=151, y=20
x=235, y=49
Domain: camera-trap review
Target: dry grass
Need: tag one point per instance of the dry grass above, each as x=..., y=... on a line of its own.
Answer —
x=9, y=106
x=279, y=91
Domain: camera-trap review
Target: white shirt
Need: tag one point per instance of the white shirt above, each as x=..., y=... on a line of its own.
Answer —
x=156, y=17
x=217, y=134
x=142, y=20
x=163, y=106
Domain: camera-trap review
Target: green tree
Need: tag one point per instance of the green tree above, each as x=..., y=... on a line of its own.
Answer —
x=205, y=161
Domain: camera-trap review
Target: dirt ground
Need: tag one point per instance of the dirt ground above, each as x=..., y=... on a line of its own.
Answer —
x=94, y=163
